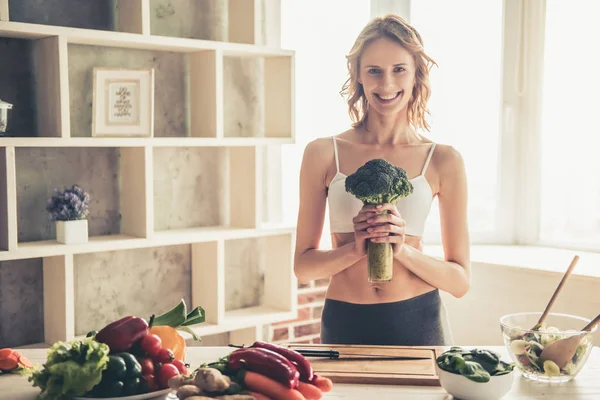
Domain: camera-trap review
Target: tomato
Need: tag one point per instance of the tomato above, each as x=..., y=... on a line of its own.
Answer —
x=149, y=383
x=166, y=372
x=180, y=366
x=151, y=344
x=147, y=365
x=170, y=340
x=164, y=356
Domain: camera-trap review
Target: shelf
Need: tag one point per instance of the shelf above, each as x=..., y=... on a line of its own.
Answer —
x=176, y=215
x=243, y=318
x=97, y=14
x=234, y=320
x=114, y=178
x=136, y=41
x=17, y=80
x=139, y=142
x=95, y=244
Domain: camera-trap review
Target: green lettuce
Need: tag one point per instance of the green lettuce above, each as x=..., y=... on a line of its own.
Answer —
x=71, y=369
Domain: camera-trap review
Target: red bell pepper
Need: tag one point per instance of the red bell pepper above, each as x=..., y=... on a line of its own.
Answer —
x=122, y=334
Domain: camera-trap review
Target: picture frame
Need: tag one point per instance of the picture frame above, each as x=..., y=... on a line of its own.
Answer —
x=123, y=102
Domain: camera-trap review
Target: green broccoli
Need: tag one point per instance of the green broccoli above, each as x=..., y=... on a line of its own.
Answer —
x=378, y=182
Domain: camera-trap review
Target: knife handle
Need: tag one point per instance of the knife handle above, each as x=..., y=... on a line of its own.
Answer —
x=331, y=354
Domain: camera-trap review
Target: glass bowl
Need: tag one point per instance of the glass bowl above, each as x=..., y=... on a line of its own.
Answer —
x=525, y=345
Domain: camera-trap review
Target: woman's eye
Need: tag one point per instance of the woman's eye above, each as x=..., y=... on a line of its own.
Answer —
x=373, y=71
x=399, y=69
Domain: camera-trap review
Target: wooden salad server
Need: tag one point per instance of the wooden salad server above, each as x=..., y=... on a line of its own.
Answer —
x=556, y=292
x=563, y=350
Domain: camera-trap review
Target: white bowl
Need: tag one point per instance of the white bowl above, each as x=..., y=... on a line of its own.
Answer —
x=466, y=389
x=157, y=395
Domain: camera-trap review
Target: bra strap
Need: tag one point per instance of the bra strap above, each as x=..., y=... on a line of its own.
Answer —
x=335, y=152
x=428, y=158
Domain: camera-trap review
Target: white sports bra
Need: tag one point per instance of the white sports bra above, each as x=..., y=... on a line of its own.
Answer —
x=413, y=208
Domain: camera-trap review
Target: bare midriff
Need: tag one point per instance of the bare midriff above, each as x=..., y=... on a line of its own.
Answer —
x=352, y=284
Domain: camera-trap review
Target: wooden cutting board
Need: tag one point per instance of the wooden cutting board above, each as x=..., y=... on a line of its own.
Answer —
x=368, y=370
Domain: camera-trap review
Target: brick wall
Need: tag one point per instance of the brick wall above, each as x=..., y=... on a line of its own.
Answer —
x=306, y=327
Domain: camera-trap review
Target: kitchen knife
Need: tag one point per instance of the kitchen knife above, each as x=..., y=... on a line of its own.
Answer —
x=333, y=354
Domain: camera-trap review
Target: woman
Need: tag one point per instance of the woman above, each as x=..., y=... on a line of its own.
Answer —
x=387, y=91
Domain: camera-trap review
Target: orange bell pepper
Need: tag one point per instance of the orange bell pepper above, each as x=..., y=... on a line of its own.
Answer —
x=171, y=339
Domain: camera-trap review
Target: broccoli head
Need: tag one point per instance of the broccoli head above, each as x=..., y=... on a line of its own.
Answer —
x=378, y=182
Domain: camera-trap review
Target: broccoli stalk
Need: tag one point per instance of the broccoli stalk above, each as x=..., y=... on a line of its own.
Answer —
x=379, y=182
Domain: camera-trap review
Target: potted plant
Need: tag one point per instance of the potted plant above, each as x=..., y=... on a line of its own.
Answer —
x=69, y=210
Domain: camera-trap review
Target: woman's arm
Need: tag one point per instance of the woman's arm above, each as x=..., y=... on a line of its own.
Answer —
x=310, y=263
x=453, y=274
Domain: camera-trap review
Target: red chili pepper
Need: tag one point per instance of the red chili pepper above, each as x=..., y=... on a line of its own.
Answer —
x=267, y=363
x=122, y=334
x=301, y=363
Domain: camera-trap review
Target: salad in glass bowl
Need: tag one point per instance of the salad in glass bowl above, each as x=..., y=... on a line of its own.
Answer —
x=525, y=344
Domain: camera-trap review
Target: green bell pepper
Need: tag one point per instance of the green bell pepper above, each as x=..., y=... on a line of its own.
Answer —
x=121, y=377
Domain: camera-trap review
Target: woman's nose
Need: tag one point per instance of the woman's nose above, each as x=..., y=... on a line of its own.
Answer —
x=387, y=79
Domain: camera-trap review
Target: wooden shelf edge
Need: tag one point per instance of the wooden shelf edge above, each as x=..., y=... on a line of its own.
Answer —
x=96, y=244
x=241, y=319
x=235, y=320
x=142, y=142
x=21, y=30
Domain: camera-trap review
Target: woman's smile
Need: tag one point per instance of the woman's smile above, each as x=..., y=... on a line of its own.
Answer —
x=388, y=98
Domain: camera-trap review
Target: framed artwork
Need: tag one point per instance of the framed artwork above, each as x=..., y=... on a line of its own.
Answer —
x=123, y=102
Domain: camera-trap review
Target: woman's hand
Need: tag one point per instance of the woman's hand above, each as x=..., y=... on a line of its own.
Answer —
x=371, y=224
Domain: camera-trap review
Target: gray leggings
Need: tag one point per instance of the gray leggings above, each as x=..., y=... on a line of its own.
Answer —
x=420, y=321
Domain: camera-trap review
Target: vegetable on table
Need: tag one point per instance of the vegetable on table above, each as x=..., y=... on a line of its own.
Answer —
x=164, y=373
x=151, y=344
x=122, y=377
x=165, y=326
x=122, y=334
x=260, y=383
x=302, y=364
x=265, y=362
x=322, y=382
x=211, y=380
x=186, y=391
x=477, y=365
x=258, y=396
x=378, y=182
x=170, y=339
x=14, y=362
x=310, y=391
x=71, y=369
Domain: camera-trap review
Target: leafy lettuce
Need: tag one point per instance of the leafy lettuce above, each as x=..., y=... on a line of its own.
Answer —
x=71, y=369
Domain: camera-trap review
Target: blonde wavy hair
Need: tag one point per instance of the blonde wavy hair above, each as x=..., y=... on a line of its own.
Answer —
x=392, y=27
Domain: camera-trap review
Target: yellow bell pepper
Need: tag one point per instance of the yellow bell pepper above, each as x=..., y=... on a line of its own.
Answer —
x=171, y=339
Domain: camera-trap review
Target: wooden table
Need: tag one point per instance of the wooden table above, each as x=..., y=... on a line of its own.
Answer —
x=585, y=386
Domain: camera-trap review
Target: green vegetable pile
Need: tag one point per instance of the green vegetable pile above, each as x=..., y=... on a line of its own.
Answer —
x=71, y=369
x=477, y=365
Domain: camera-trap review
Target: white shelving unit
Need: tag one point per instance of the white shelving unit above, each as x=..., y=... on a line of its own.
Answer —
x=51, y=45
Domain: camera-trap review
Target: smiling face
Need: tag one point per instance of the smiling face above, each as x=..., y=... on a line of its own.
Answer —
x=387, y=74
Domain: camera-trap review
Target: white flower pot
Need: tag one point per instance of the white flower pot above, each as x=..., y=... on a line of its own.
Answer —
x=72, y=232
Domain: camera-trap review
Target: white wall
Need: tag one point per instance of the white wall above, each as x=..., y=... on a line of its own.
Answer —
x=499, y=290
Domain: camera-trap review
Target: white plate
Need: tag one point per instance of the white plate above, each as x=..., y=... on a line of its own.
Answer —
x=158, y=395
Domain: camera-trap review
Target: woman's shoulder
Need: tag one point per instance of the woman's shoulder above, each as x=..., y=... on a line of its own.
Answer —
x=322, y=146
x=447, y=159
